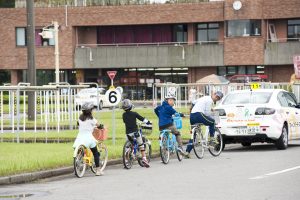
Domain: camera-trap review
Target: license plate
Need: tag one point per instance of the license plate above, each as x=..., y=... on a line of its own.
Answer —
x=241, y=131
x=253, y=128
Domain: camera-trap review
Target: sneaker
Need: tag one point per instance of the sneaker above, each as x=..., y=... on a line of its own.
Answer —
x=145, y=162
x=180, y=150
x=187, y=156
x=212, y=141
x=99, y=172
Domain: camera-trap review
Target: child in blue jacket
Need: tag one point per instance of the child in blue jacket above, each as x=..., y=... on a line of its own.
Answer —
x=164, y=113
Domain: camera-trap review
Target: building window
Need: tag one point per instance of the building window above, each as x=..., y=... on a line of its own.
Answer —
x=232, y=70
x=208, y=32
x=294, y=30
x=39, y=40
x=21, y=36
x=180, y=33
x=243, y=28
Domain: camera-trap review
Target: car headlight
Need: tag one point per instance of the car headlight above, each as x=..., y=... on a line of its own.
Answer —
x=221, y=112
x=265, y=111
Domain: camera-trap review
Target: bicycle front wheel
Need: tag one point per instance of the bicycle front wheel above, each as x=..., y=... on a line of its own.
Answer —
x=102, y=159
x=164, y=149
x=215, y=148
x=198, y=144
x=79, y=162
x=127, y=155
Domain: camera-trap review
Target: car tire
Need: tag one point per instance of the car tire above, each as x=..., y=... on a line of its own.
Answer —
x=282, y=142
x=246, y=144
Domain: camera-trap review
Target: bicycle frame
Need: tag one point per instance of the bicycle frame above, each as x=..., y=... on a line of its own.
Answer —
x=171, y=141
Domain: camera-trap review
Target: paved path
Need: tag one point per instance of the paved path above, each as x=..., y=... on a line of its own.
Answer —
x=258, y=172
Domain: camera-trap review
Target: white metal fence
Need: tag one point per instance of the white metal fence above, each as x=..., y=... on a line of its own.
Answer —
x=54, y=108
x=186, y=93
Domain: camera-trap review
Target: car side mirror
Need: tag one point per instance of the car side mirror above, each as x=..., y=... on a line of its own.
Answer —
x=298, y=106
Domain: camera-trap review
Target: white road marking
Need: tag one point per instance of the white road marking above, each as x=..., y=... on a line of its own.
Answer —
x=275, y=173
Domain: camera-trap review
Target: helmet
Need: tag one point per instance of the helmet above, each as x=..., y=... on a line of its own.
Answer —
x=126, y=104
x=87, y=106
x=170, y=96
x=219, y=94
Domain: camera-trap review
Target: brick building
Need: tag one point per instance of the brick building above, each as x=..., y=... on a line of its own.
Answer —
x=174, y=42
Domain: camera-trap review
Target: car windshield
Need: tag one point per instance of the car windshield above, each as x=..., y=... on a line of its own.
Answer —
x=248, y=98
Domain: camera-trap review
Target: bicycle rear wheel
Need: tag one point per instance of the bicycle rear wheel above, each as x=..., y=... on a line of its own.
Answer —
x=103, y=157
x=127, y=155
x=79, y=162
x=215, y=148
x=198, y=144
x=164, y=149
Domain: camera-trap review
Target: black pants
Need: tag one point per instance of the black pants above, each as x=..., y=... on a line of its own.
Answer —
x=96, y=156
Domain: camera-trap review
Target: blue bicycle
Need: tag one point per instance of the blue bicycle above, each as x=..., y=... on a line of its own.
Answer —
x=168, y=143
x=131, y=151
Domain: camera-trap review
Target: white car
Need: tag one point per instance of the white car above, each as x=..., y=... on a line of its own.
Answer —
x=263, y=115
x=91, y=95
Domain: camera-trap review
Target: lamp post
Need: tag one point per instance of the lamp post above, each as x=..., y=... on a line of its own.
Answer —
x=47, y=33
x=183, y=51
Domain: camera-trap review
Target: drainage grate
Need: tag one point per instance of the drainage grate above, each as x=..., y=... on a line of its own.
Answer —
x=15, y=196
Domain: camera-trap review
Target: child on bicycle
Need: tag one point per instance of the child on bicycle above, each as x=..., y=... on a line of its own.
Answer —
x=87, y=123
x=164, y=113
x=201, y=113
x=129, y=119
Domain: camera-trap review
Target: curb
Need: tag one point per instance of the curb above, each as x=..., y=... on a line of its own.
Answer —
x=33, y=176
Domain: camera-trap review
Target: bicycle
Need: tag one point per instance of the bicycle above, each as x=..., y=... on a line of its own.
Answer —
x=168, y=144
x=131, y=151
x=202, y=141
x=83, y=157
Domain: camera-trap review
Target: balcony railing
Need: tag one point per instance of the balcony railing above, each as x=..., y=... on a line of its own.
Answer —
x=148, y=55
x=57, y=3
x=282, y=51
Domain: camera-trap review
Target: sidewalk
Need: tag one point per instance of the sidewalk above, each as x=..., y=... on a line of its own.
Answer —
x=33, y=176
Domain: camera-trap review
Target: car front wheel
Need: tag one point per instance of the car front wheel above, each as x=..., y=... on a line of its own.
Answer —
x=282, y=142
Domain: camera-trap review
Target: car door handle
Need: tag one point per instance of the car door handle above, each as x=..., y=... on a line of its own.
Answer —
x=296, y=113
x=287, y=112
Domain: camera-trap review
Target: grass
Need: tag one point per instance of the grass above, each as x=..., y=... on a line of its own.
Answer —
x=20, y=158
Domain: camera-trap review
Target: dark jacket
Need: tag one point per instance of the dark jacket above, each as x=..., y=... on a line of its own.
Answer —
x=164, y=113
x=129, y=118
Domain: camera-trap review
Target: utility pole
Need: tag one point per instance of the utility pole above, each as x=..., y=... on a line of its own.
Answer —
x=31, y=74
x=55, y=23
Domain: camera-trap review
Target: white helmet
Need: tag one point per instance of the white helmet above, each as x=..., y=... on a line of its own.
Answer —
x=170, y=96
x=87, y=106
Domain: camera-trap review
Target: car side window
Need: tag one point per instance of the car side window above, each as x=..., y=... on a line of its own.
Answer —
x=282, y=100
x=290, y=100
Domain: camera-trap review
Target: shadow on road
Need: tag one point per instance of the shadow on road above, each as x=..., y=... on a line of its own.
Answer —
x=258, y=147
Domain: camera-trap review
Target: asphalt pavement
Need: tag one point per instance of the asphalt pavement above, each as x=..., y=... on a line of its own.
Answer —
x=256, y=172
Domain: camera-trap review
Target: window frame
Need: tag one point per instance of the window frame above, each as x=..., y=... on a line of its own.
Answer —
x=292, y=25
x=249, y=26
x=207, y=28
x=16, y=37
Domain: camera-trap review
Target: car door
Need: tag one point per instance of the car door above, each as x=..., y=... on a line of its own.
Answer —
x=294, y=118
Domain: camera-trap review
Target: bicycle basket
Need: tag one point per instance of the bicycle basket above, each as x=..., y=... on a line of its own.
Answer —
x=100, y=134
x=177, y=121
x=146, y=129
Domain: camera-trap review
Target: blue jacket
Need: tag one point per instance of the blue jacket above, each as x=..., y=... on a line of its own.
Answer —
x=164, y=113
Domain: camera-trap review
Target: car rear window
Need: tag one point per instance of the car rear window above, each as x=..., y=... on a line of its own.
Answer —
x=247, y=98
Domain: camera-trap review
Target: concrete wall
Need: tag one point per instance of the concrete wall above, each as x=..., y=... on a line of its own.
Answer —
x=281, y=53
x=149, y=56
